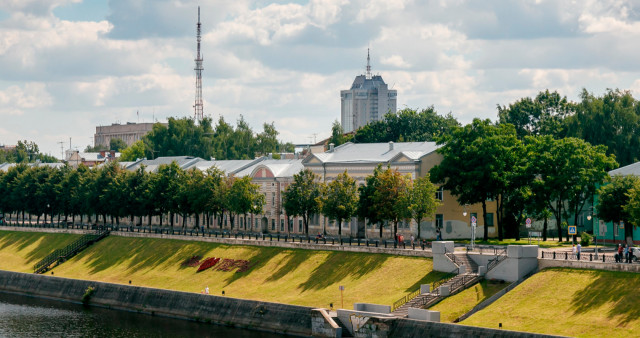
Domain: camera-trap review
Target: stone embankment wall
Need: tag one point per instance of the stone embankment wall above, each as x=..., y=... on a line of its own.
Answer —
x=280, y=318
x=573, y=264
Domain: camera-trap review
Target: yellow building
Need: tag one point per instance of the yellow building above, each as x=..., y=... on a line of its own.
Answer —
x=412, y=158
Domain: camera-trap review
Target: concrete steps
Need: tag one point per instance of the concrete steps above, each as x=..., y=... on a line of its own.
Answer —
x=464, y=259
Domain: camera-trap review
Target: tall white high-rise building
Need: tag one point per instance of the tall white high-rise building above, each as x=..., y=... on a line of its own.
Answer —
x=369, y=99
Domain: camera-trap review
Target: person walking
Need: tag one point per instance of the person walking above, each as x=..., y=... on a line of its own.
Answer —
x=619, y=254
x=626, y=253
x=574, y=250
x=412, y=239
x=578, y=250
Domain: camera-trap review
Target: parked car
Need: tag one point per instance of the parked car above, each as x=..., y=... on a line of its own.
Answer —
x=636, y=253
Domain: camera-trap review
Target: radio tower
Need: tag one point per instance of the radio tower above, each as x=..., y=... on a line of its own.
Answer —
x=199, y=114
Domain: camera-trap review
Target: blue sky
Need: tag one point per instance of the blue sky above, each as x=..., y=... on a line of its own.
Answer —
x=67, y=66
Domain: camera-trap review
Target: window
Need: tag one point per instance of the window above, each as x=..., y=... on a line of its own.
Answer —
x=440, y=194
x=281, y=225
x=257, y=223
x=300, y=225
x=290, y=225
x=489, y=219
x=273, y=224
x=241, y=223
x=273, y=198
x=439, y=220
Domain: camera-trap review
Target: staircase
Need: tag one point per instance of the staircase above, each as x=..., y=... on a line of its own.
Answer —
x=464, y=259
x=421, y=301
x=60, y=255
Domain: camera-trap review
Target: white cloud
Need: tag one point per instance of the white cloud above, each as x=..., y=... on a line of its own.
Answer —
x=15, y=100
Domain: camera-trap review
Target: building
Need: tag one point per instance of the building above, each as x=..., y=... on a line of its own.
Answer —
x=368, y=100
x=410, y=158
x=129, y=133
x=74, y=158
x=613, y=232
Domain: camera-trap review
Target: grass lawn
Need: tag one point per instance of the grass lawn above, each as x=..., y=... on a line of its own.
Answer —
x=301, y=277
x=19, y=251
x=455, y=306
x=582, y=303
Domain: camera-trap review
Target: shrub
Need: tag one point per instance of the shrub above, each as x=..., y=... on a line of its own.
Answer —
x=87, y=295
x=585, y=239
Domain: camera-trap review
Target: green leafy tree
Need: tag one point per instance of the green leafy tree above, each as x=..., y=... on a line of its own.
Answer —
x=366, y=202
x=337, y=134
x=613, y=199
x=423, y=202
x=302, y=197
x=117, y=144
x=340, y=199
x=133, y=152
x=244, y=197
x=391, y=198
x=543, y=115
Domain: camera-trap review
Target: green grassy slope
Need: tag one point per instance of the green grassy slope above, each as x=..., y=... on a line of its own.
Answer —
x=583, y=303
x=455, y=306
x=19, y=251
x=301, y=277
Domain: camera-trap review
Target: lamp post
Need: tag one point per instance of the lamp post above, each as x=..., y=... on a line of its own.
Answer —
x=595, y=236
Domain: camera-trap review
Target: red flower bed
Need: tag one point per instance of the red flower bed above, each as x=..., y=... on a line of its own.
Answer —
x=207, y=263
x=192, y=262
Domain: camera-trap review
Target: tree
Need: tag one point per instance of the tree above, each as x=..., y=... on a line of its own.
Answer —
x=612, y=120
x=117, y=144
x=302, y=197
x=366, y=203
x=166, y=188
x=133, y=152
x=267, y=140
x=566, y=170
x=337, y=134
x=340, y=199
x=476, y=164
x=423, y=202
x=632, y=209
x=391, y=199
x=244, y=197
x=542, y=115
x=613, y=201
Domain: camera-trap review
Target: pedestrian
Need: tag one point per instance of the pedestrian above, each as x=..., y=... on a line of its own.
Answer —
x=578, y=250
x=619, y=254
x=412, y=239
x=206, y=290
x=626, y=253
x=438, y=235
x=574, y=250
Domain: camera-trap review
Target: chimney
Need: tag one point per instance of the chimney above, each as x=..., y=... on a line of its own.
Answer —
x=390, y=145
x=112, y=153
x=331, y=147
x=102, y=153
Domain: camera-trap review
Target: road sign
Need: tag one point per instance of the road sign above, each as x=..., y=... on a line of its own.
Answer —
x=341, y=288
x=528, y=222
x=573, y=230
x=535, y=233
x=474, y=221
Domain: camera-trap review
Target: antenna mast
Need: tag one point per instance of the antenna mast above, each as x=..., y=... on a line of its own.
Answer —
x=368, y=65
x=198, y=107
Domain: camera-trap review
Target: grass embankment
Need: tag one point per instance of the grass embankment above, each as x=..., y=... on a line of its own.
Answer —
x=583, y=303
x=451, y=308
x=302, y=277
x=19, y=251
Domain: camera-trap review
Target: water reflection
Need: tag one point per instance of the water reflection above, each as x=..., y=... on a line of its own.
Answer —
x=22, y=316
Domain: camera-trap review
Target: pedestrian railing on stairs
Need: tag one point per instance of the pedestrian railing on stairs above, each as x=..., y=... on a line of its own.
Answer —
x=69, y=251
x=500, y=256
x=398, y=303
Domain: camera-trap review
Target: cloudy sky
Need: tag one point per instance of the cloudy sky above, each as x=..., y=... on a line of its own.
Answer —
x=67, y=66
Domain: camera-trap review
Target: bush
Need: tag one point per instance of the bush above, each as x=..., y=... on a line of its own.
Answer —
x=87, y=295
x=585, y=239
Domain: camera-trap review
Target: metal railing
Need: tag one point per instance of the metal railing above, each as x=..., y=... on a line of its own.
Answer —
x=68, y=251
x=398, y=303
x=587, y=257
x=500, y=256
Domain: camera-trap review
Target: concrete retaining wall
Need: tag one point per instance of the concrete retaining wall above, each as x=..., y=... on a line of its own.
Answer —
x=281, y=318
x=416, y=328
x=552, y=263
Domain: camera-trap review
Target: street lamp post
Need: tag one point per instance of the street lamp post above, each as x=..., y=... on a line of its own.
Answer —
x=595, y=235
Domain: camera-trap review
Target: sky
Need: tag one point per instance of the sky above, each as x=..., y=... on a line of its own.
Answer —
x=67, y=66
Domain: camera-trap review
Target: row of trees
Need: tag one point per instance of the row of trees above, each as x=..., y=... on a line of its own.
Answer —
x=612, y=120
x=619, y=201
x=387, y=197
x=109, y=191
x=25, y=152
x=537, y=176
x=223, y=142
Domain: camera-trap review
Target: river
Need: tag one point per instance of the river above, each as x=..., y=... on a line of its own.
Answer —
x=23, y=316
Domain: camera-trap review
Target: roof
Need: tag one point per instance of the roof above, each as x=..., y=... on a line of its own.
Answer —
x=631, y=169
x=376, y=152
x=152, y=165
x=7, y=166
x=361, y=82
x=230, y=167
x=279, y=168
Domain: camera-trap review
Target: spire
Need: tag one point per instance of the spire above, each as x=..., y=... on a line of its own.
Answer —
x=368, y=65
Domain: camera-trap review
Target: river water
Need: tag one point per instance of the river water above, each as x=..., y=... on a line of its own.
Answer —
x=22, y=316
